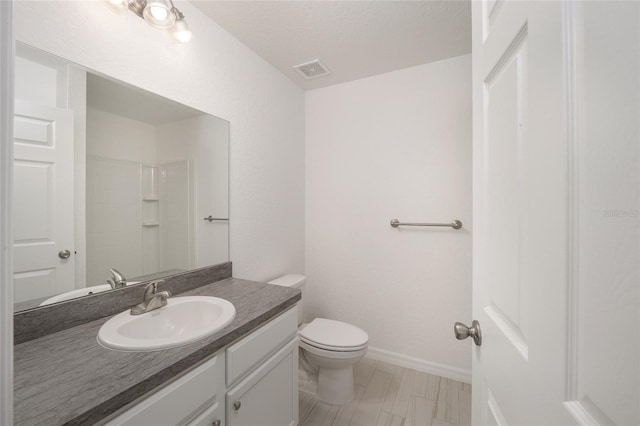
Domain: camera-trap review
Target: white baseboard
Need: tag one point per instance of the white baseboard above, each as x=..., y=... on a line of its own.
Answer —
x=441, y=370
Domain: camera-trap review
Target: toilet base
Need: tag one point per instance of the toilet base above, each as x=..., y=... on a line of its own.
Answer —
x=334, y=371
x=335, y=385
x=307, y=382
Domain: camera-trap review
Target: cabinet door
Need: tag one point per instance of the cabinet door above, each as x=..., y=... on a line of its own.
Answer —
x=212, y=416
x=251, y=351
x=181, y=400
x=269, y=395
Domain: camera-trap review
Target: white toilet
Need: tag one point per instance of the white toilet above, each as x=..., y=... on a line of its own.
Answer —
x=329, y=349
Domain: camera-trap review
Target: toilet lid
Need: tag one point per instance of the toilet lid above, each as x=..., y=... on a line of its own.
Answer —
x=333, y=334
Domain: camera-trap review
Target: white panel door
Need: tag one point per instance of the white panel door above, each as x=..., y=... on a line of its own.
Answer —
x=555, y=144
x=604, y=358
x=520, y=210
x=42, y=201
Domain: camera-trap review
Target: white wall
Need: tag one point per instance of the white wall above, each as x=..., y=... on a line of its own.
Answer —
x=175, y=212
x=120, y=138
x=203, y=140
x=397, y=145
x=219, y=75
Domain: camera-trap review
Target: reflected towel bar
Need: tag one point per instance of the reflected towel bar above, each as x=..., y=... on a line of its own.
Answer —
x=456, y=224
x=212, y=219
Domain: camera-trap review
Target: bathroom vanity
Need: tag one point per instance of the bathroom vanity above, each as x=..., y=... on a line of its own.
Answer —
x=244, y=374
x=253, y=381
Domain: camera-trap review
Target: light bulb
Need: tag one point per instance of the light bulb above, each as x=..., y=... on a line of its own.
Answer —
x=181, y=31
x=158, y=14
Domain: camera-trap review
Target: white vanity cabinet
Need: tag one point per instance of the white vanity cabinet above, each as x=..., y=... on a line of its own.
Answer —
x=268, y=396
x=253, y=382
x=190, y=400
x=262, y=375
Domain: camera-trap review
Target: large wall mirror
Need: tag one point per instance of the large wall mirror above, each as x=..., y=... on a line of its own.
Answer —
x=113, y=185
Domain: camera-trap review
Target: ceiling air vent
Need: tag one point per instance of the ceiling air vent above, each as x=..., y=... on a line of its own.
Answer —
x=312, y=69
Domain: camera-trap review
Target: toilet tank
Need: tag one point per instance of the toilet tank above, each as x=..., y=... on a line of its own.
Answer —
x=294, y=281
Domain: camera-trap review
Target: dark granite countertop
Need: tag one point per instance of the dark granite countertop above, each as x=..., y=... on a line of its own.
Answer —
x=68, y=378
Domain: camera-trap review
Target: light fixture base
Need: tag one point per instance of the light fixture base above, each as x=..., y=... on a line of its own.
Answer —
x=172, y=19
x=137, y=6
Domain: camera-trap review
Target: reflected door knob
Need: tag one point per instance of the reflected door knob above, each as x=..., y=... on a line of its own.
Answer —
x=462, y=332
x=64, y=254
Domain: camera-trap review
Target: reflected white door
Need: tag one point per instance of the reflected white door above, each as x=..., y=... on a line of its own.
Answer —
x=555, y=146
x=42, y=201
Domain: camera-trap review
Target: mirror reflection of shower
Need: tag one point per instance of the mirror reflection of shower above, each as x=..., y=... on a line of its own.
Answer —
x=148, y=207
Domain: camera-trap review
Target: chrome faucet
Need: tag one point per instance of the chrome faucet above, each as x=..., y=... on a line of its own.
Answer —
x=118, y=280
x=153, y=299
x=111, y=282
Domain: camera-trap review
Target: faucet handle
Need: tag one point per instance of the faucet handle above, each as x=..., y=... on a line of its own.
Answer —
x=151, y=289
x=117, y=275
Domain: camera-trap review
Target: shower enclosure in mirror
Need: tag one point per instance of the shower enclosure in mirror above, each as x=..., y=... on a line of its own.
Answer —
x=113, y=185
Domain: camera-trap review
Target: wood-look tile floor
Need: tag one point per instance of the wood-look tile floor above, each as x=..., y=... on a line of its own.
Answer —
x=389, y=395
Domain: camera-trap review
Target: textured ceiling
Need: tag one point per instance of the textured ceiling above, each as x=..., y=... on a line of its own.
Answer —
x=354, y=39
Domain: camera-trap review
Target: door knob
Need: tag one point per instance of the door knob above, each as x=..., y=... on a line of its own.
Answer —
x=237, y=405
x=216, y=423
x=462, y=332
x=64, y=254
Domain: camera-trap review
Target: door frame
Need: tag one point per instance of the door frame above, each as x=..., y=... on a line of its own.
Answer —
x=571, y=34
x=7, y=55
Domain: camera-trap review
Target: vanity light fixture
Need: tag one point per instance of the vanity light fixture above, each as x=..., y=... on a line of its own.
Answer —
x=180, y=29
x=161, y=14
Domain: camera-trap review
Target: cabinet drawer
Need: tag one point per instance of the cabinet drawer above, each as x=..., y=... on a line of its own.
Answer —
x=180, y=400
x=248, y=352
x=269, y=395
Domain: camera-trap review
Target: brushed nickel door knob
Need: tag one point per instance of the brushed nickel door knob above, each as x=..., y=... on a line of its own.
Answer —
x=462, y=332
x=237, y=405
x=64, y=254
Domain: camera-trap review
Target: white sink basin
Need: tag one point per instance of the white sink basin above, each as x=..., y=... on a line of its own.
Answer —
x=183, y=320
x=80, y=292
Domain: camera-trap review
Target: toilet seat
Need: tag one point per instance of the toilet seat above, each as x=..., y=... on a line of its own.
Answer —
x=332, y=348
x=333, y=354
x=331, y=335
